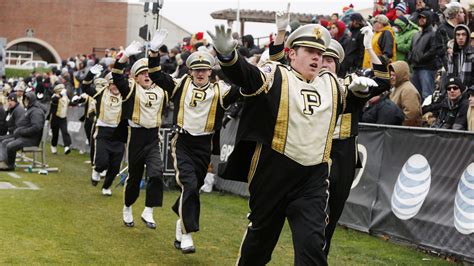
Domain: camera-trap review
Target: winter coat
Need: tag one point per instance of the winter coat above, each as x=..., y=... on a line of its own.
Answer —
x=404, y=38
x=383, y=44
x=461, y=62
x=405, y=95
x=444, y=34
x=14, y=116
x=31, y=126
x=354, y=51
x=425, y=47
x=383, y=112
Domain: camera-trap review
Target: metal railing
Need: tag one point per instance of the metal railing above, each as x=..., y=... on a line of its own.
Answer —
x=16, y=58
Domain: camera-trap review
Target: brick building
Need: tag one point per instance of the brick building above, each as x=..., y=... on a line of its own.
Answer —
x=58, y=29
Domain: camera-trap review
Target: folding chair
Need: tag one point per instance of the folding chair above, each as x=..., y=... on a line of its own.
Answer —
x=35, y=165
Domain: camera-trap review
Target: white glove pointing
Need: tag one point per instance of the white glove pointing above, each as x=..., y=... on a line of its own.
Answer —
x=282, y=19
x=362, y=83
x=368, y=35
x=133, y=49
x=223, y=41
x=96, y=69
x=158, y=38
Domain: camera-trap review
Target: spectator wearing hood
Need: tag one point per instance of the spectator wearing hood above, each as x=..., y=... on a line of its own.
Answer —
x=338, y=32
x=404, y=36
x=383, y=41
x=420, y=6
x=404, y=94
x=354, y=48
x=423, y=58
x=461, y=61
x=28, y=132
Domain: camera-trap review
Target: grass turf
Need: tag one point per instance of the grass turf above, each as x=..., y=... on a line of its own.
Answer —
x=68, y=221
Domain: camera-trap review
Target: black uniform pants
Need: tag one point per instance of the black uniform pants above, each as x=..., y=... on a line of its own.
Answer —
x=282, y=189
x=192, y=155
x=144, y=149
x=109, y=154
x=56, y=125
x=343, y=155
x=10, y=146
x=89, y=130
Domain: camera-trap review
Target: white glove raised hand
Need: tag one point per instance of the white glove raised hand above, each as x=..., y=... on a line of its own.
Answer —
x=75, y=98
x=134, y=48
x=96, y=69
x=368, y=35
x=63, y=92
x=223, y=41
x=362, y=83
x=282, y=19
x=158, y=38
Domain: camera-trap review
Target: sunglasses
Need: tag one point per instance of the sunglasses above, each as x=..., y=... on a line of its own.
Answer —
x=452, y=88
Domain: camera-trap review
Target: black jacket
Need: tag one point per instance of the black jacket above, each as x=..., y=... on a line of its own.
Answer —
x=14, y=116
x=354, y=50
x=425, y=49
x=31, y=126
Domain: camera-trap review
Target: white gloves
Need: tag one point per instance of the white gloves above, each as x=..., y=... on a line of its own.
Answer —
x=368, y=35
x=63, y=92
x=362, y=83
x=157, y=41
x=96, y=69
x=282, y=19
x=75, y=98
x=133, y=49
x=223, y=41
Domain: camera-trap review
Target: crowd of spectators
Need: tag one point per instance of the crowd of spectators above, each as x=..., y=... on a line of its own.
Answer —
x=427, y=44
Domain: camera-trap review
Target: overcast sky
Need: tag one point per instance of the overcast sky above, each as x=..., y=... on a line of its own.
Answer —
x=194, y=15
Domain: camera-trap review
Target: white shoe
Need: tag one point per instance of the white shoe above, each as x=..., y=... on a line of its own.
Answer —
x=187, y=245
x=106, y=192
x=95, y=178
x=54, y=150
x=147, y=218
x=128, y=216
x=67, y=150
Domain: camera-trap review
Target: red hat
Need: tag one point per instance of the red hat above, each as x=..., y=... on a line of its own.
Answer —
x=341, y=28
x=199, y=35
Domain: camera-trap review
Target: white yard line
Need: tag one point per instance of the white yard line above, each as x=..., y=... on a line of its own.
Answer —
x=30, y=185
x=14, y=175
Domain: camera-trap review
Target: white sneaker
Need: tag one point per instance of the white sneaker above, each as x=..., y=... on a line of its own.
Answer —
x=187, y=245
x=147, y=218
x=128, y=216
x=106, y=192
x=95, y=178
x=54, y=150
x=67, y=150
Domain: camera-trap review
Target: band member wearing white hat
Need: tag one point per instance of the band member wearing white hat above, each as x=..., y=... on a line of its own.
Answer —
x=284, y=143
x=142, y=107
x=58, y=118
x=199, y=107
x=108, y=149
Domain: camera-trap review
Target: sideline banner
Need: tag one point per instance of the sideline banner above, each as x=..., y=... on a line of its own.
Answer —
x=416, y=185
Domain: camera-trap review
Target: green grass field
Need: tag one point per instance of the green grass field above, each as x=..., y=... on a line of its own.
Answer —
x=68, y=221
